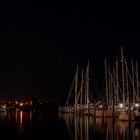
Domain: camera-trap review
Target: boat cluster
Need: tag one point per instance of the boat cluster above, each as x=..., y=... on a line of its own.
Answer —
x=119, y=110
x=120, y=98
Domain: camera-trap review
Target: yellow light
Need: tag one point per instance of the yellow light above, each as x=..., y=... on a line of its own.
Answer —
x=21, y=104
x=31, y=103
x=4, y=106
x=16, y=102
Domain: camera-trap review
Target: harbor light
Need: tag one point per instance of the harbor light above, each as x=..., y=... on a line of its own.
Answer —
x=137, y=105
x=121, y=105
x=21, y=104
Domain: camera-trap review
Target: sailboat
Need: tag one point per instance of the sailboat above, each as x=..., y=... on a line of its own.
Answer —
x=78, y=98
x=106, y=108
x=137, y=104
x=126, y=113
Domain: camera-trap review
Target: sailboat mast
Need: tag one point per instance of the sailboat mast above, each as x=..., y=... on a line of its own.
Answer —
x=82, y=80
x=106, y=82
x=112, y=94
x=127, y=90
x=76, y=82
x=137, y=80
x=109, y=86
x=122, y=60
x=133, y=80
x=114, y=85
x=117, y=83
x=87, y=85
x=128, y=94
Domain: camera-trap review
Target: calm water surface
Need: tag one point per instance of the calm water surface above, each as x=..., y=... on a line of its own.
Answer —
x=42, y=124
x=31, y=125
x=90, y=128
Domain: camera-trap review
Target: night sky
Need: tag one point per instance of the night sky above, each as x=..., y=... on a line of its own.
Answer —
x=42, y=42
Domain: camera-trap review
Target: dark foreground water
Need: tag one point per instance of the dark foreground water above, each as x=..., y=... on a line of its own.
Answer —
x=48, y=125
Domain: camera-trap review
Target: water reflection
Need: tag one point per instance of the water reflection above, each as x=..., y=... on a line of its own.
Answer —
x=20, y=118
x=21, y=121
x=88, y=127
x=30, y=124
x=2, y=115
x=137, y=131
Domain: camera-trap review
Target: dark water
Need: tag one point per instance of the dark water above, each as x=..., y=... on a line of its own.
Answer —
x=48, y=125
x=90, y=128
x=30, y=125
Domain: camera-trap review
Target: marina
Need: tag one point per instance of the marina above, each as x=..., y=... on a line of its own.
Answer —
x=37, y=124
x=114, y=114
x=120, y=97
x=70, y=70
